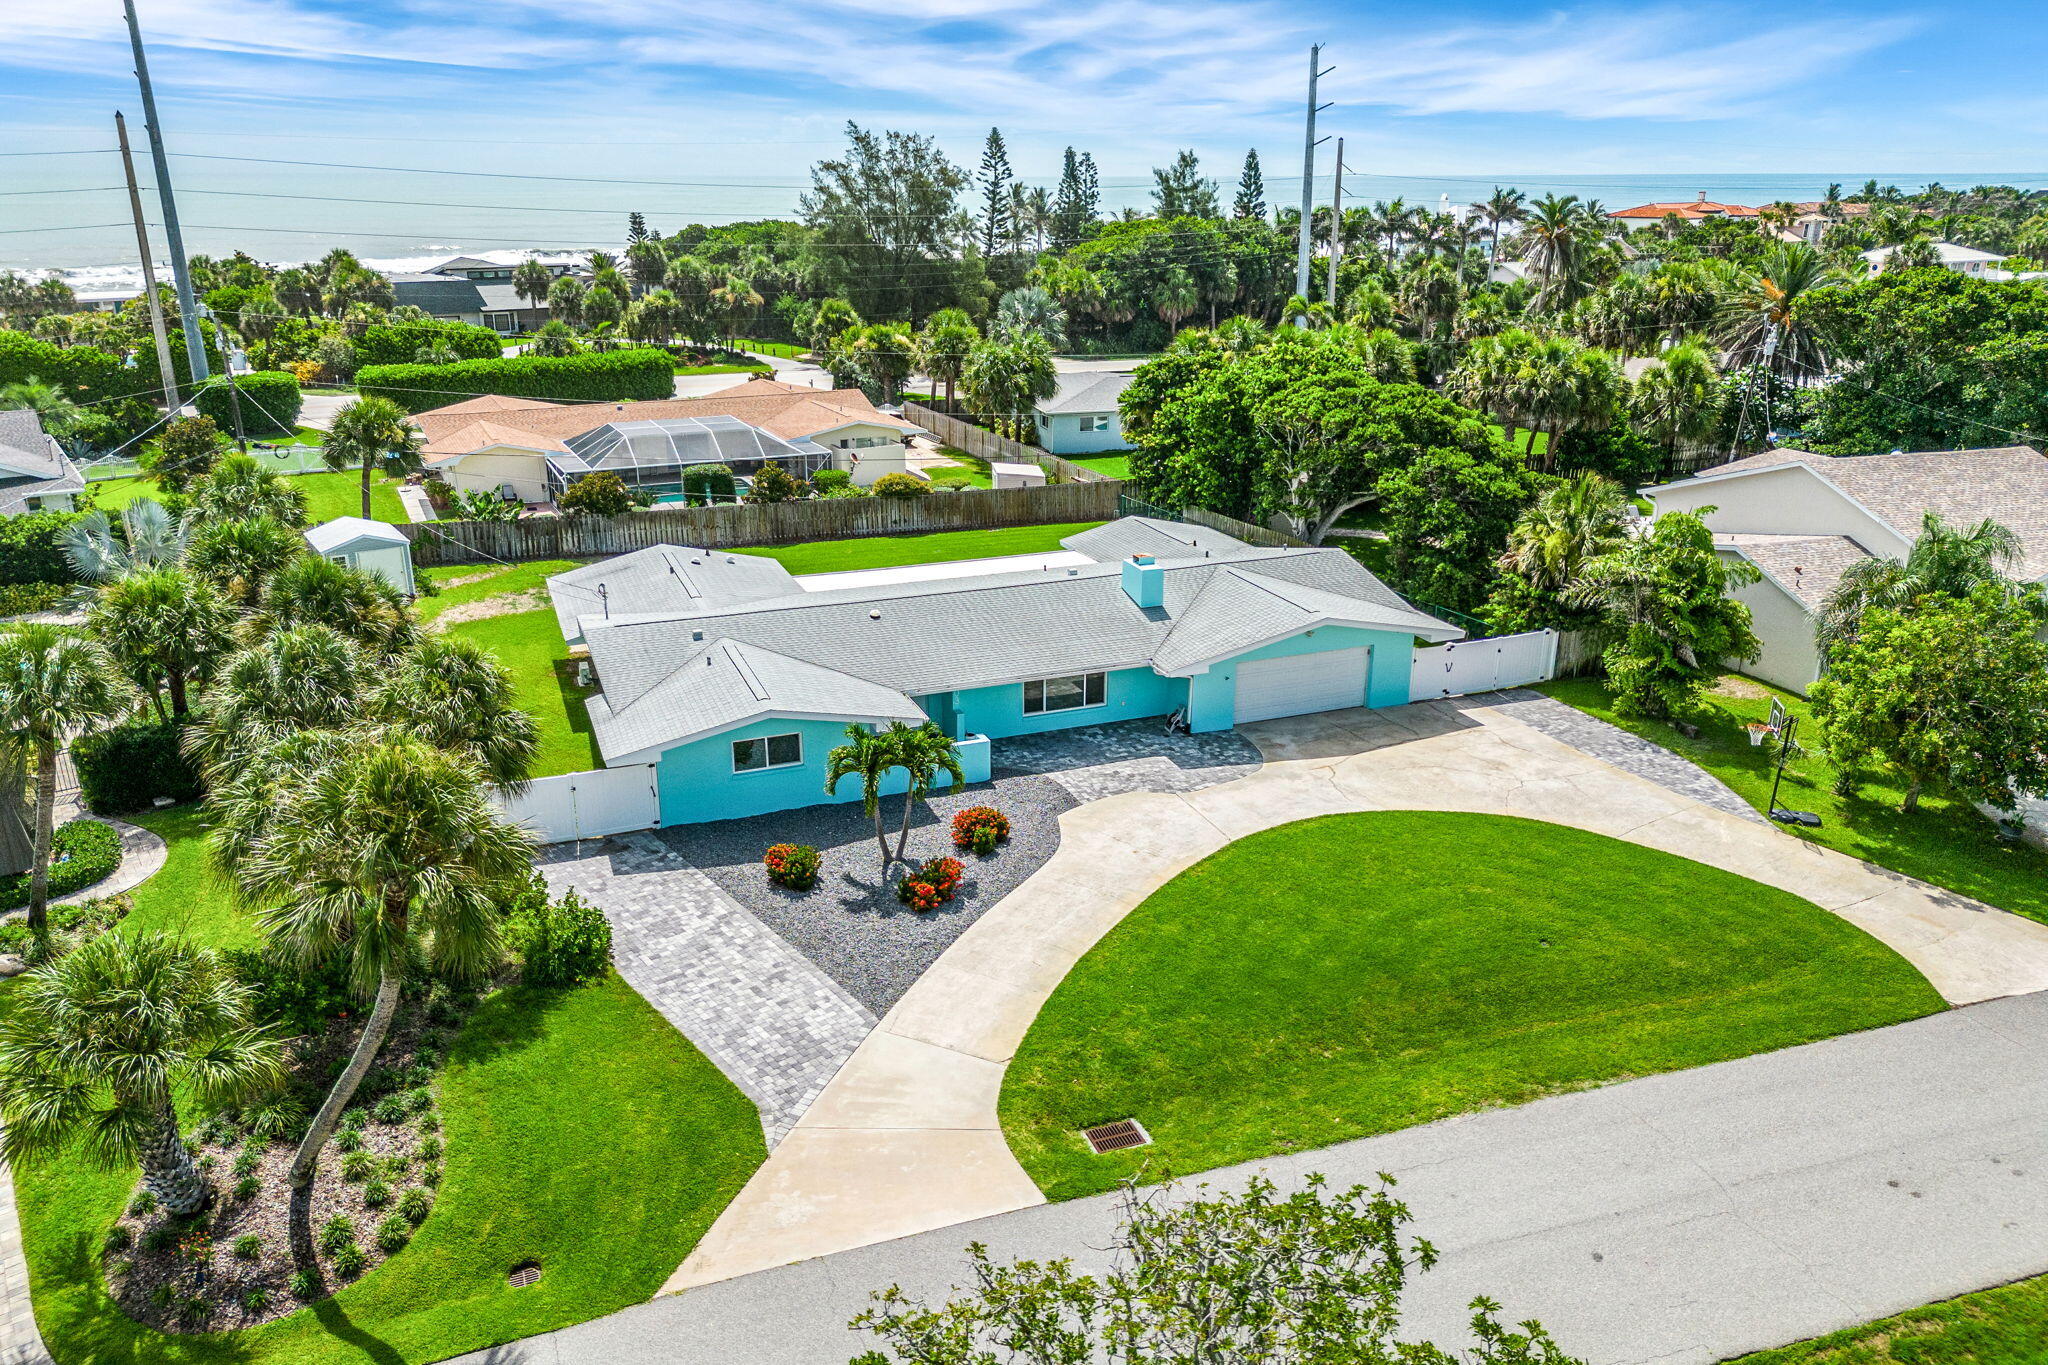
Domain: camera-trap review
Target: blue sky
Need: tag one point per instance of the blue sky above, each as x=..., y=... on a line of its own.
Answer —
x=675, y=89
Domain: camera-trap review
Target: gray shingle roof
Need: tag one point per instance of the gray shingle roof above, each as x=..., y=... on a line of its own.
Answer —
x=1808, y=567
x=664, y=578
x=945, y=634
x=1241, y=609
x=1127, y=536
x=32, y=464
x=1095, y=391
x=727, y=683
x=439, y=295
x=334, y=535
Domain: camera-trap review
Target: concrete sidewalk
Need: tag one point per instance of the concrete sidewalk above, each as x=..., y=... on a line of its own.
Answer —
x=1679, y=1219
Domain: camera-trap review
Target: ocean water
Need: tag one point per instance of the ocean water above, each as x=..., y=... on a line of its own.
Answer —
x=400, y=220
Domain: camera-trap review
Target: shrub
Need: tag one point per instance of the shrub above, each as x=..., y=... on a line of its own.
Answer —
x=270, y=403
x=561, y=943
x=429, y=1122
x=83, y=852
x=601, y=493
x=775, y=484
x=248, y=1247
x=415, y=1204
x=20, y=599
x=640, y=373
x=336, y=1233
x=709, y=483
x=280, y=1115
x=348, y=1140
x=305, y=371
x=390, y=1109
x=899, y=486
x=246, y=1187
x=119, y=1237
x=931, y=885
x=195, y=1308
x=256, y=1300
x=980, y=828
x=358, y=1166
x=130, y=766
x=247, y=1162
x=162, y=1237
x=376, y=1195
x=350, y=1261
x=430, y=1175
x=142, y=1205
x=397, y=343
x=393, y=1233
x=161, y=1296
x=792, y=865
x=297, y=998
x=355, y=1116
x=949, y=483
x=83, y=920
x=303, y=1284
x=826, y=480
x=419, y=1099
x=31, y=549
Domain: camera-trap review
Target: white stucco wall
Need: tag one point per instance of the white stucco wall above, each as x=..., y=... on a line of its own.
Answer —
x=489, y=470
x=392, y=563
x=1792, y=501
x=1790, y=658
x=872, y=463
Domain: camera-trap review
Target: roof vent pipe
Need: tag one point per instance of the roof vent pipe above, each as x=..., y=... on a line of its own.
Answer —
x=875, y=614
x=696, y=635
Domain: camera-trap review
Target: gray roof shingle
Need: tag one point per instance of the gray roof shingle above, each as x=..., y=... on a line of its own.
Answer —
x=1808, y=567
x=1087, y=391
x=664, y=578
x=32, y=464
x=1127, y=536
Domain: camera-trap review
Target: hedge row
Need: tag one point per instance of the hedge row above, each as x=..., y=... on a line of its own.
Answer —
x=82, y=852
x=643, y=373
x=397, y=343
x=270, y=404
x=31, y=548
x=89, y=374
x=128, y=767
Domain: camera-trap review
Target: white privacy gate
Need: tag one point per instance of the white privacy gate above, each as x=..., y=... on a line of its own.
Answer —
x=1482, y=665
x=586, y=805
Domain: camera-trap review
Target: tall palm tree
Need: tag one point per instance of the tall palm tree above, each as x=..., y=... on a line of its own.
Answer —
x=735, y=300
x=1502, y=206
x=309, y=679
x=1006, y=379
x=1175, y=296
x=243, y=486
x=389, y=853
x=54, y=686
x=1677, y=399
x=314, y=591
x=368, y=431
x=1572, y=523
x=925, y=753
x=1555, y=241
x=1944, y=561
x=169, y=626
x=454, y=694
x=97, y=1046
x=531, y=281
x=943, y=344
x=239, y=555
x=1764, y=303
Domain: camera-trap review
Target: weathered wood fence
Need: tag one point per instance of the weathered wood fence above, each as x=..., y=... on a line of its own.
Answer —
x=732, y=525
x=961, y=434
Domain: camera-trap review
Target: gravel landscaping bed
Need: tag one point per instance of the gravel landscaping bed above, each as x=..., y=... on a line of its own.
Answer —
x=851, y=924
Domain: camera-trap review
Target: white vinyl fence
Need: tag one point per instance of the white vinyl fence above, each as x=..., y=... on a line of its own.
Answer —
x=1464, y=666
x=587, y=805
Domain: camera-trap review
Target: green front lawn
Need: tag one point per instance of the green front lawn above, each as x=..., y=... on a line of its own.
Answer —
x=529, y=644
x=329, y=494
x=970, y=467
x=1116, y=466
x=723, y=369
x=2005, y=1326
x=583, y=1132
x=1945, y=842
x=780, y=349
x=884, y=552
x=1354, y=974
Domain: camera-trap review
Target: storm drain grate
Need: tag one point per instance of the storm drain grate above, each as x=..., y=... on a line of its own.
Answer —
x=1115, y=1137
x=523, y=1274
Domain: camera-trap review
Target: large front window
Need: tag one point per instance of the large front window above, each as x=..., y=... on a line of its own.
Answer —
x=1095, y=421
x=772, y=751
x=1070, y=693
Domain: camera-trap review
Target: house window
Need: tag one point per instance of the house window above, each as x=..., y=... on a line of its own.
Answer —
x=1095, y=421
x=1064, y=694
x=774, y=751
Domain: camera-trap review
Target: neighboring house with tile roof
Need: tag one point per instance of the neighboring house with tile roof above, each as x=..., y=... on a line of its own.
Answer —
x=35, y=473
x=736, y=698
x=531, y=450
x=1081, y=416
x=1802, y=519
x=1691, y=210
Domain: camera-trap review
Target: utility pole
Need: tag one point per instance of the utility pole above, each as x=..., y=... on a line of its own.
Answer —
x=1336, y=227
x=174, y=240
x=1316, y=71
x=165, y=371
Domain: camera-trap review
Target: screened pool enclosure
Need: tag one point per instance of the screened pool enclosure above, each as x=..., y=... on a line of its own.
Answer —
x=650, y=456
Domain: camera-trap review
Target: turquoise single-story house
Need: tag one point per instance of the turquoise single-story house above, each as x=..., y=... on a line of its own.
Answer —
x=1081, y=416
x=735, y=694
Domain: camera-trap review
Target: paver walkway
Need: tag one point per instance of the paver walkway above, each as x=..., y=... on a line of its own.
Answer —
x=1630, y=753
x=906, y=1137
x=761, y=1011
x=1675, y=1220
x=20, y=1342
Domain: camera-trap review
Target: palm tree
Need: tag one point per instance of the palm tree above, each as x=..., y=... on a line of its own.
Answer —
x=1175, y=296
x=1764, y=303
x=169, y=626
x=454, y=694
x=1944, y=561
x=1555, y=240
x=1502, y=206
x=389, y=853
x=1572, y=523
x=367, y=431
x=149, y=539
x=870, y=756
x=1677, y=399
x=1005, y=380
x=925, y=753
x=734, y=300
x=314, y=591
x=243, y=486
x=54, y=685
x=52, y=407
x=531, y=281
x=943, y=344
x=98, y=1044
x=922, y=751
x=308, y=679
x=1030, y=311
x=239, y=555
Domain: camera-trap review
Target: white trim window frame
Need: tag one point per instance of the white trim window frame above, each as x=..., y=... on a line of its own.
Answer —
x=1069, y=692
x=766, y=753
x=1095, y=421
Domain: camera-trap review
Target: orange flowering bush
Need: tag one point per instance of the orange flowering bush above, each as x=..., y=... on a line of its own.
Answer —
x=792, y=865
x=980, y=828
x=931, y=885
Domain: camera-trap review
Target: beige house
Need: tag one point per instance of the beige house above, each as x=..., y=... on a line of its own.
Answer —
x=1802, y=520
x=527, y=450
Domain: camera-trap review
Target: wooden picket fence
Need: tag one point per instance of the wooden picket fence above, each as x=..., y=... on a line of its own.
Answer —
x=735, y=525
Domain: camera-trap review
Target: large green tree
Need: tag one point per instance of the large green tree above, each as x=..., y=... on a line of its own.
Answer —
x=169, y=627
x=1572, y=523
x=1944, y=562
x=1951, y=695
x=887, y=226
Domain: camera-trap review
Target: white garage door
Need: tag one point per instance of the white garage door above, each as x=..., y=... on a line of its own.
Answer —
x=1300, y=683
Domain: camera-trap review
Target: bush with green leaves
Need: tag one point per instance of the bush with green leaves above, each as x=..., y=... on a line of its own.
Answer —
x=390, y=1109
x=23, y=599
x=246, y=1187
x=83, y=852
x=358, y=1166
x=32, y=547
x=277, y=1117
x=641, y=373
x=398, y=343
x=336, y=1233
x=899, y=486
x=256, y=1300
x=270, y=402
x=142, y=1205
x=119, y=1238
x=248, y=1247
x=74, y=923
x=600, y=493
x=709, y=483
x=129, y=767
x=561, y=943
x=350, y=1261
x=775, y=484
x=298, y=998
x=393, y=1233
x=376, y=1195
x=825, y=480
x=303, y=1284
x=415, y=1204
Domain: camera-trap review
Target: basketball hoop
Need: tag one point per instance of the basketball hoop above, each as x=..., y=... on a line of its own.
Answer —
x=1757, y=731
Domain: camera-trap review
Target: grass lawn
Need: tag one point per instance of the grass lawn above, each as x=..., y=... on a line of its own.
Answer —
x=1109, y=466
x=1354, y=974
x=971, y=467
x=556, y=1153
x=2006, y=1326
x=329, y=494
x=780, y=349
x=485, y=582
x=723, y=369
x=529, y=645
x=1525, y=441
x=1945, y=842
x=882, y=552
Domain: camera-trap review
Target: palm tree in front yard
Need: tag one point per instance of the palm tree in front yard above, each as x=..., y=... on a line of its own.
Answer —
x=384, y=852
x=54, y=685
x=1945, y=561
x=98, y=1044
x=869, y=756
x=364, y=433
x=922, y=751
x=925, y=753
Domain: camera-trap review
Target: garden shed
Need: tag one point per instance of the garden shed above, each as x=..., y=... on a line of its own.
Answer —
x=370, y=545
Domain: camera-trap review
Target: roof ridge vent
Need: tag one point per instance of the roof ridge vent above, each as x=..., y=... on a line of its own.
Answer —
x=746, y=673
